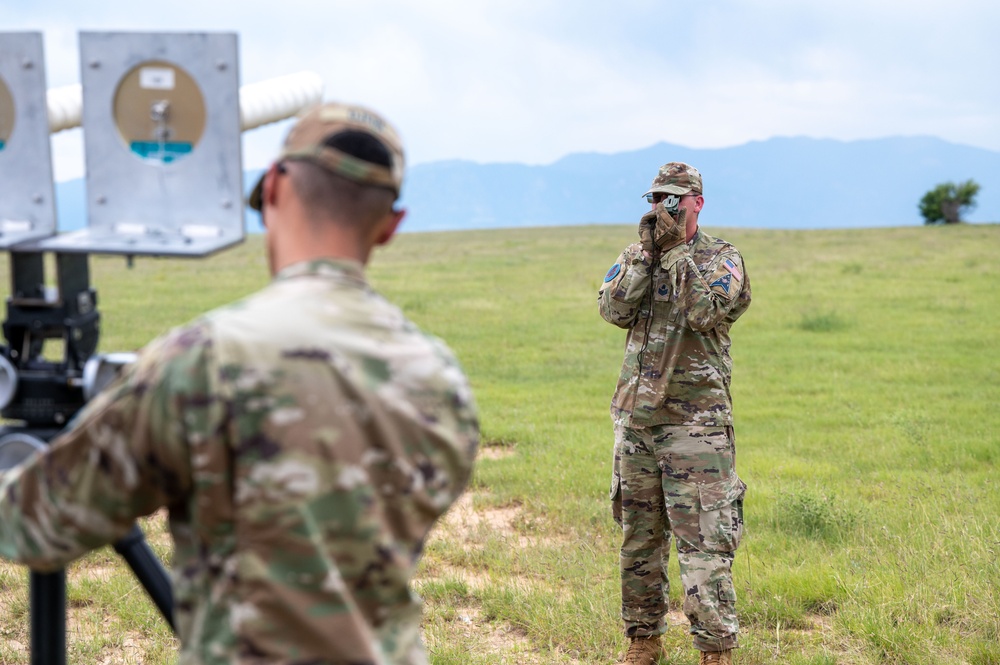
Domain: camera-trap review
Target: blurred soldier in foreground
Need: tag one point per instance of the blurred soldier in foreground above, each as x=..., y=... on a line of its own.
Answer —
x=304, y=439
x=677, y=292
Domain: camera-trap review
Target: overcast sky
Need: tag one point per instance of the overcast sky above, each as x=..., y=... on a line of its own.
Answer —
x=534, y=80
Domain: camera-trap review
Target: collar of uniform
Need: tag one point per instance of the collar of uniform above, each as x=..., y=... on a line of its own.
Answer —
x=326, y=267
x=694, y=239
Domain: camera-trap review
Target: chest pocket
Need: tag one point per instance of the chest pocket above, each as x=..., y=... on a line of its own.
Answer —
x=666, y=309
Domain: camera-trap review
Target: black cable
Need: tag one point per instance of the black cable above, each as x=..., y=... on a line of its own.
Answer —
x=654, y=263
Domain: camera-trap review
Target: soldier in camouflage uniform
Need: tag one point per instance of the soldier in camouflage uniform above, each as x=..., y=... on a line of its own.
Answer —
x=677, y=292
x=304, y=440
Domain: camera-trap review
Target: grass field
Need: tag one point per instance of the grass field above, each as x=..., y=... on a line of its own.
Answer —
x=866, y=387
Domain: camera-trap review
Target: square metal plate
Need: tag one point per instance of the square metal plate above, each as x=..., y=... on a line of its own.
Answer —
x=161, y=121
x=27, y=196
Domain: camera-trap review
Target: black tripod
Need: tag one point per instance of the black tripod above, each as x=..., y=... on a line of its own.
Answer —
x=44, y=395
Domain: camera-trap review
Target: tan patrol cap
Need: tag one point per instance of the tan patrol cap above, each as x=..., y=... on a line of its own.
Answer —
x=676, y=178
x=306, y=139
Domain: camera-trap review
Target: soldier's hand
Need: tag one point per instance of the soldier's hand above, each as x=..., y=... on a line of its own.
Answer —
x=660, y=231
x=647, y=225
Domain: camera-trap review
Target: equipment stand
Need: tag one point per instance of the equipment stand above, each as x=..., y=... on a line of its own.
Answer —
x=47, y=394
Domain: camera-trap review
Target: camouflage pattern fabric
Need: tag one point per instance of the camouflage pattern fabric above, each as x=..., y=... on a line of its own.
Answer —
x=677, y=366
x=674, y=454
x=304, y=441
x=678, y=481
x=676, y=178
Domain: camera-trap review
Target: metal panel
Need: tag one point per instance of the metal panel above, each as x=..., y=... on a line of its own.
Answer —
x=27, y=198
x=148, y=194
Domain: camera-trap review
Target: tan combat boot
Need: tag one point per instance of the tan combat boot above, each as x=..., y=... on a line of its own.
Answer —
x=716, y=657
x=643, y=651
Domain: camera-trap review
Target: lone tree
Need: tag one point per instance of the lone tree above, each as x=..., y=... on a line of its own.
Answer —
x=948, y=202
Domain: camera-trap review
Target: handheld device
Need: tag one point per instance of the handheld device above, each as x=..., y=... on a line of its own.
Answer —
x=671, y=202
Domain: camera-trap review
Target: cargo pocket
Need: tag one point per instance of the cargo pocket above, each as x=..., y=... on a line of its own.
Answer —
x=720, y=518
x=727, y=593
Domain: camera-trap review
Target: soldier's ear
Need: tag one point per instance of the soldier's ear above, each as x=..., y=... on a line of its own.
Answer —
x=270, y=183
x=389, y=226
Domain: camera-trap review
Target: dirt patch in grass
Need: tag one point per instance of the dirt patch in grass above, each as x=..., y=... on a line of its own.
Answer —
x=496, y=452
x=495, y=449
x=506, y=643
x=463, y=516
x=96, y=572
x=469, y=524
x=677, y=618
x=474, y=580
x=820, y=622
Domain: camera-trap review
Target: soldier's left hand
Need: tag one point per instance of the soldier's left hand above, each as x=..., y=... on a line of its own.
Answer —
x=660, y=231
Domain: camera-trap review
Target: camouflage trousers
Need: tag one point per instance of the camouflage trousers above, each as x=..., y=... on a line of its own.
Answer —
x=679, y=481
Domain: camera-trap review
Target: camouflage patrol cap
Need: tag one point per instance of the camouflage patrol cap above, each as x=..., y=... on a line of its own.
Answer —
x=676, y=178
x=306, y=142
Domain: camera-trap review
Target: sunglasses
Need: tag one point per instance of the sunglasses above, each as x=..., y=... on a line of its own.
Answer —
x=656, y=197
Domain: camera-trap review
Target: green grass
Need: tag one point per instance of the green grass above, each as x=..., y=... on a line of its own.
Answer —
x=866, y=383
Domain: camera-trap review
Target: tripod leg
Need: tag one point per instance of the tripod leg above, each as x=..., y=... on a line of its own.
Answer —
x=149, y=571
x=48, y=618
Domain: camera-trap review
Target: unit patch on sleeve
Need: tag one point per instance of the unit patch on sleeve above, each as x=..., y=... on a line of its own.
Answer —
x=613, y=272
x=723, y=283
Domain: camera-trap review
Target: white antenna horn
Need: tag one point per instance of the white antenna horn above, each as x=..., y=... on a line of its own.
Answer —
x=278, y=98
x=261, y=103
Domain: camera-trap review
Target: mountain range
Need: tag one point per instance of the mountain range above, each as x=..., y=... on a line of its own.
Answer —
x=788, y=183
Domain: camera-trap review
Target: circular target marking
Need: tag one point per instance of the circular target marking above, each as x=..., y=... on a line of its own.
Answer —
x=6, y=114
x=159, y=111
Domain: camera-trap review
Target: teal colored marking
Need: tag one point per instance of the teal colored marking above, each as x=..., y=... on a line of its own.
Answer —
x=161, y=152
x=2, y=144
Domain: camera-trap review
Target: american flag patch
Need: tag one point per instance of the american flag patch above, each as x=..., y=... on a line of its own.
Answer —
x=731, y=267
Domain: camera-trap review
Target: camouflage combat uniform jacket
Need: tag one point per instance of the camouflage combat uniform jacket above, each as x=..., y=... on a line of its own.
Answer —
x=677, y=366
x=304, y=441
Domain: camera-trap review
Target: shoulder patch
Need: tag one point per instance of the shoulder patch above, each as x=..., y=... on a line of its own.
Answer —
x=729, y=265
x=723, y=283
x=613, y=272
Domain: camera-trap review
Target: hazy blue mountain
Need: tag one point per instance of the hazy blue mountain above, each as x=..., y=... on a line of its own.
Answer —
x=778, y=183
